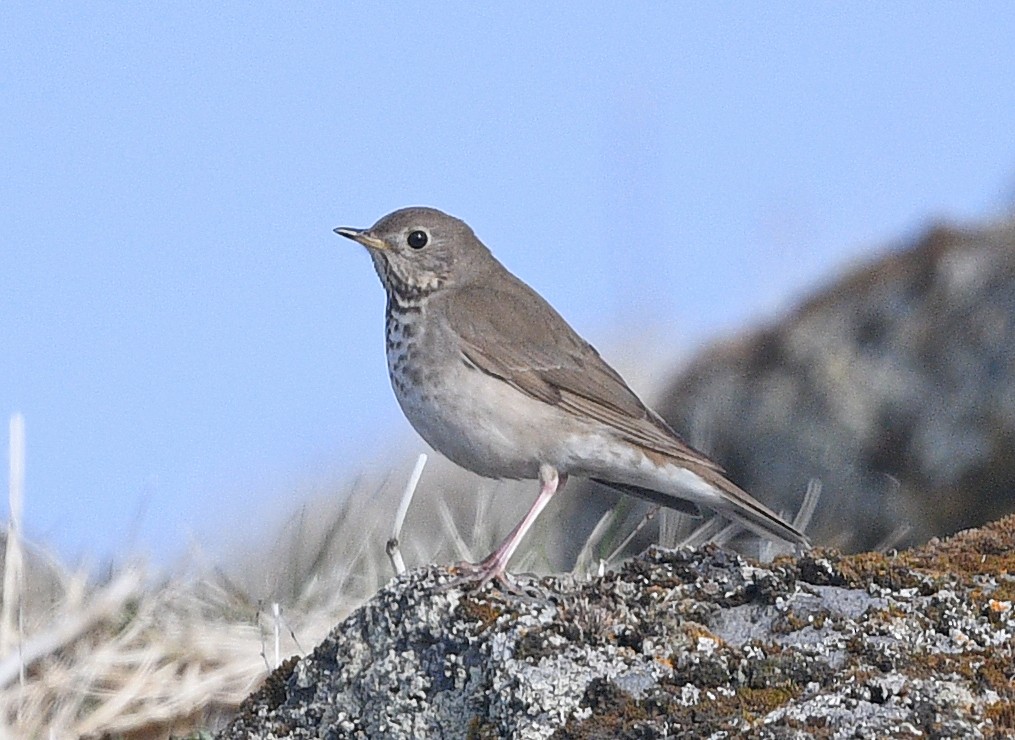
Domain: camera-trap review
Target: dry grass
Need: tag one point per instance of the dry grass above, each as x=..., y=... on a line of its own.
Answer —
x=138, y=655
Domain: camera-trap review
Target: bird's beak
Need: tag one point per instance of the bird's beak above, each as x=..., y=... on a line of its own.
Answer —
x=362, y=236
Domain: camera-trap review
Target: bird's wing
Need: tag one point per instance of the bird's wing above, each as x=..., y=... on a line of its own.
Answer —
x=525, y=342
x=539, y=354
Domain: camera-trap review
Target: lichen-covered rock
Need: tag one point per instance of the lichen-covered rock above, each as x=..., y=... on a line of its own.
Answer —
x=688, y=643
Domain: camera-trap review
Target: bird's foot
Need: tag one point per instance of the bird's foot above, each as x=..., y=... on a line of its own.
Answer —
x=492, y=568
x=474, y=577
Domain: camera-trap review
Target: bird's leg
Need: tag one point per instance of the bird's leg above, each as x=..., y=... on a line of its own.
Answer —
x=492, y=567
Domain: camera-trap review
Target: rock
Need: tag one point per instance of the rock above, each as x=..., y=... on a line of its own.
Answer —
x=684, y=643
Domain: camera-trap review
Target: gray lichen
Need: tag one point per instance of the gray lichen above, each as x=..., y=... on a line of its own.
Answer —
x=689, y=643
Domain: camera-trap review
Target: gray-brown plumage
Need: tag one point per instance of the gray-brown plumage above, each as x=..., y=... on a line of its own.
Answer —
x=492, y=377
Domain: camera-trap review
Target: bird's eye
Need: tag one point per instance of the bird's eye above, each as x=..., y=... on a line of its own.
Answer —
x=417, y=239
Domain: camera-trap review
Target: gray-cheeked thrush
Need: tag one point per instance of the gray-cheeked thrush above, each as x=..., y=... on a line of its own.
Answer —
x=493, y=378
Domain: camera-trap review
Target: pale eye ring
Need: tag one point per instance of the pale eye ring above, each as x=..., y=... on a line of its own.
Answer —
x=417, y=239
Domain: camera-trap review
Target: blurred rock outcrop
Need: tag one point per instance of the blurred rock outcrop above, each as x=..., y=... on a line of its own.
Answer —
x=894, y=386
x=686, y=643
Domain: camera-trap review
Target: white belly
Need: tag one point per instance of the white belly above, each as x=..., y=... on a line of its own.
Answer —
x=482, y=423
x=486, y=425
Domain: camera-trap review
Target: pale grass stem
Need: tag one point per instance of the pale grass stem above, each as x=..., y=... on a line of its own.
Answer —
x=13, y=584
x=807, y=507
x=392, y=547
x=276, y=612
x=649, y=516
x=582, y=564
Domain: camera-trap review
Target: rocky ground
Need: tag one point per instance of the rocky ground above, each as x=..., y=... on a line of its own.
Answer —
x=686, y=643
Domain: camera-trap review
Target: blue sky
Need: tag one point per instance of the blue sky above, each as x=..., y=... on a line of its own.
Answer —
x=186, y=337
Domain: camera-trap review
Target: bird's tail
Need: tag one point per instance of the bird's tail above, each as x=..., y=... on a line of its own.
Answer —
x=736, y=504
x=725, y=498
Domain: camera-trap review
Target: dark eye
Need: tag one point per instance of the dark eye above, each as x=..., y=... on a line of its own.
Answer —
x=417, y=239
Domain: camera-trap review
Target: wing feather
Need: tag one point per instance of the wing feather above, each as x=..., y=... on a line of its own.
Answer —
x=538, y=353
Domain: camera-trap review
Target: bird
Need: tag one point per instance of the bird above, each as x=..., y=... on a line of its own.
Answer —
x=492, y=377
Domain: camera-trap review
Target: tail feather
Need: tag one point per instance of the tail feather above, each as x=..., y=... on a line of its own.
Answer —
x=759, y=518
x=735, y=503
x=725, y=498
x=670, y=501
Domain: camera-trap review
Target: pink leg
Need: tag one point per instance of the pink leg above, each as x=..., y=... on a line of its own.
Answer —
x=494, y=564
